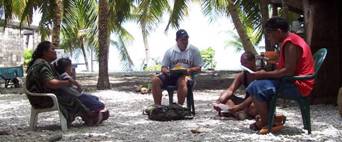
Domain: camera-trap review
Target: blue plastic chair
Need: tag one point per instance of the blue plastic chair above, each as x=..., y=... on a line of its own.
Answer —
x=303, y=102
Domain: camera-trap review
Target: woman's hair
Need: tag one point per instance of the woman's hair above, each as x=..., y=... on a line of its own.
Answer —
x=38, y=52
x=62, y=64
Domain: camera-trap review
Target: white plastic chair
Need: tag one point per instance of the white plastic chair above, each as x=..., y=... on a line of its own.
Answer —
x=55, y=107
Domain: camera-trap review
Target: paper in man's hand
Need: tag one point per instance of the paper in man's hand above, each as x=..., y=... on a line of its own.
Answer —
x=247, y=69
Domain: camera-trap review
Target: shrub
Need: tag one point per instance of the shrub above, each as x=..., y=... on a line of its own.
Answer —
x=27, y=56
x=208, y=58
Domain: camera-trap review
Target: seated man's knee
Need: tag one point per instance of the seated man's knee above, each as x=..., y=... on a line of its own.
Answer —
x=258, y=85
x=156, y=80
x=261, y=90
x=182, y=81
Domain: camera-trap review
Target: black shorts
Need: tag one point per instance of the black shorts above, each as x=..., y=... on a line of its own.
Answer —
x=238, y=99
x=168, y=80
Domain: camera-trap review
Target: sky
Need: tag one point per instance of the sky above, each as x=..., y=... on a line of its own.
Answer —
x=202, y=34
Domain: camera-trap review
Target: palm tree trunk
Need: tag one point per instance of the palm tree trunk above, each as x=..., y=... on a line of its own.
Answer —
x=84, y=55
x=246, y=42
x=274, y=10
x=144, y=34
x=103, y=80
x=57, y=23
x=264, y=18
x=285, y=9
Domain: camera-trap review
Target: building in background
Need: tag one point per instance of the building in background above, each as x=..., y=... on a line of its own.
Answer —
x=13, y=41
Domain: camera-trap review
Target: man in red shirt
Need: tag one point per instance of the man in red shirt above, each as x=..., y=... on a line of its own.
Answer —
x=295, y=59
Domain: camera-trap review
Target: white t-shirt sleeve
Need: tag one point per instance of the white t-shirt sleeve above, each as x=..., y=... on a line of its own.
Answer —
x=198, y=61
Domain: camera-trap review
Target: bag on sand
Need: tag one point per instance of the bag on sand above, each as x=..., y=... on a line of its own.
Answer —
x=168, y=113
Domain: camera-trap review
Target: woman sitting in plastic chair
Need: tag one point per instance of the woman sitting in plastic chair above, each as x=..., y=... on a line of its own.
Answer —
x=42, y=78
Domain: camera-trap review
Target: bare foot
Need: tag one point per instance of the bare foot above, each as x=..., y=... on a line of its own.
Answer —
x=220, y=107
x=216, y=107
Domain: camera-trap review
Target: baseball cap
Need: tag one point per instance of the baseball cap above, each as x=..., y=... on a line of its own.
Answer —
x=181, y=33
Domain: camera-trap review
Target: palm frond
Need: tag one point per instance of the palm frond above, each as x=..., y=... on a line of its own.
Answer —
x=250, y=14
x=27, y=11
x=7, y=5
x=180, y=9
x=213, y=8
x=234, y=41
x=79, y=20
x=125, y=58
x=149, y=13
x=119, y=10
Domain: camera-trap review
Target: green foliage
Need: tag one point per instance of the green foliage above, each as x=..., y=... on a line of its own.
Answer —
x=27, y=56
x=155, y=67
x=208, y=58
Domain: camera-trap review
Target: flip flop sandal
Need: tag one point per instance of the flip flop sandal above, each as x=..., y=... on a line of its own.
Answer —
x=274, y=129
x=226, y=114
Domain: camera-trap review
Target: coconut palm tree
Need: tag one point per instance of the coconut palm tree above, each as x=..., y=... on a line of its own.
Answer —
x=120, y=45
x=57, y=20
x=265, y=16
x=76, y=26
x=235, y=40
x=111, y=15
x=257, y=12
x=52, y=14
x=148, y=14
x=6, y=7
x=253, y=9
x=12, y=9
x=253, y=31
x=23, y=10
x=103, y=25
x=230, y=8
x=234, y=12
x=179, y=10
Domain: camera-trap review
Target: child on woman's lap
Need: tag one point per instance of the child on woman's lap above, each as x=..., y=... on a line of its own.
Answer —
x=98, y=112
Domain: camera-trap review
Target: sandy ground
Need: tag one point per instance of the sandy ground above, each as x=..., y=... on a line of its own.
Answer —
x=127, y=123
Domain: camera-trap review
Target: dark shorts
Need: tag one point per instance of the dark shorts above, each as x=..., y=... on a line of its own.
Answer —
x=92, y=102
x=236, y=99
x=168, y=80
x=263, y=90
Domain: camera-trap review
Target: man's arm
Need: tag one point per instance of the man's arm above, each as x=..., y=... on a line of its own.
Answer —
x=46, y=75
x=164, y=70
x=55, y=83
x=292, y=55
x=231, y=89
x=198, y=62
x=242, y=105
x=166, y=63
x=194, y=70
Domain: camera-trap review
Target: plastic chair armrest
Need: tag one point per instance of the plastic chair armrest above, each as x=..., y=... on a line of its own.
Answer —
x=42, y=94
x=299, y=77
x=51, y=95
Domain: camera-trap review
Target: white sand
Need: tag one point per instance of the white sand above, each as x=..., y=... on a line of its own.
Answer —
x=127, y=123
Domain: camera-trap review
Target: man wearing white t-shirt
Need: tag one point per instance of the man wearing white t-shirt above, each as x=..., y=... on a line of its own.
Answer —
x=182, y=54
